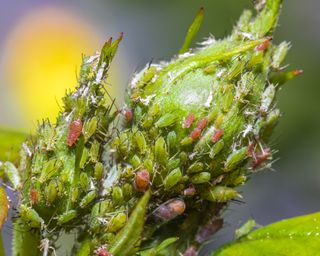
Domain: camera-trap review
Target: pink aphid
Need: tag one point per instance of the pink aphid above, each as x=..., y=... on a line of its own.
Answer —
x=188, y=121
x=202, y=123
x=142, y=180
x=251, y=149
x=264, y=45
x=191, y=191
x=33, y=196
x=195, y=133
x=217, y=135
x=260, y=158
x=128, y=114
x=103, y=252
x=75, y=129
x=191, y=251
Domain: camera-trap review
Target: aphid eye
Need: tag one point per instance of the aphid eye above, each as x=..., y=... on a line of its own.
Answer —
x=217, y=135
x=142, y=180
x=264, y=45
x=188, y=121
x=128, y=114
x=202, y=123
x=195, y=133
x=75, y=129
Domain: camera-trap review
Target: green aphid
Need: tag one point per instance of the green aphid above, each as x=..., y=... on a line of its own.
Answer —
x=135, y=161
x=166, y=120
x=216, y=148
x=31, y=216
x=49, y=169
x=171, y=141
x=140, y=141
x=117, y=222
x=148, y=74
x=98, y=171
x=80, y=107
x=210, y=69
x=127, y=191
x=173, y=163
x=51, y=191
x=172, y=179
x=148, y=164
x=245, y=228
x=235, y=158
x=12, y=174
x=200, y=178
x=117, y=195
x=90, y=128
x=195, y=167
x=74, y=194
x=267, y=98
x=84, y=158
x=160, y=152
x=84, y=181
x=186, y=141
x=88, y=198
x=183, y=157
x=279, y=54
x=66, y=217
x=219, y=194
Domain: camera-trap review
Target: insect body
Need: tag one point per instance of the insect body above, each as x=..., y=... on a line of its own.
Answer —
x=75, y=129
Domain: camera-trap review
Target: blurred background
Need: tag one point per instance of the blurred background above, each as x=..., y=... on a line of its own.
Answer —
x=41, y=44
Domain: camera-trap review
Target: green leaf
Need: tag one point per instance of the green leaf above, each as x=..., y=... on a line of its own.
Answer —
x=295, y=236
x=10, y=142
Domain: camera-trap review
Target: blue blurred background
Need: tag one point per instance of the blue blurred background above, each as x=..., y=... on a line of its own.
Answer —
x=41, y=44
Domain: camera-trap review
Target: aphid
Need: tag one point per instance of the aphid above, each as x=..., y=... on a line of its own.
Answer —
x=33, y=196
x=260, y=158
x=191, y=251
x=208, y=230
x=98, y=171
x=202, y=123
x=245, y=228
x=84, y=158
x=49, y=169
x=264, y=45
x=217, y=147
x=160, y=152
x=117, y=195
x=66, y=217
x=195, y=133
x=200, y=178
x=84, y=181
x=140, y=141
x=51, y=191
x=4, y=206
x=142, y=180
x=219, y=194
x=128, y=114
x=75, y=129
x=195, y=167
x=103, y=252
x=267, y=98
x=170, y=209
x=172, y=178
x=191, y=191
x=90, y=128
x=117, y=222
x=235, y=158
x=128, y=236
x=30, y=215
x=188, y=121
x=279, y=54
x=217, y=135
x=88, y=198
x=250, y=151
x=166, y=120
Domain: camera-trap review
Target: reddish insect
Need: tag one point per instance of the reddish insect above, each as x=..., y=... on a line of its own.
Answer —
x=170, y=209
x=75, y=129
x=142, y=180
x=260, y=158
x=264, y=45
x=188, y=121
x=33, y=196
x=297, y=72
x=128, y=114
x=191, y=191
x=202, y=123
x=251, y=149
x=208, y=230
x=195, y=133
x=217, y=135
x=103, y=252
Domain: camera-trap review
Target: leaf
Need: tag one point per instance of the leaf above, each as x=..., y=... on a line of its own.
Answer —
x=295, y=236
x=10, y=144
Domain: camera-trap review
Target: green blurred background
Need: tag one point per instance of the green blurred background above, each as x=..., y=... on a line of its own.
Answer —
x=40, y=52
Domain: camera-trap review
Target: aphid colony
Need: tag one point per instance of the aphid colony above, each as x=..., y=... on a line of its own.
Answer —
x=167, y=163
